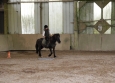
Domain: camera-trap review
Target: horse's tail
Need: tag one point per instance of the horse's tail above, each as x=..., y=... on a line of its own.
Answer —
x=39, y=41
x=38, y=44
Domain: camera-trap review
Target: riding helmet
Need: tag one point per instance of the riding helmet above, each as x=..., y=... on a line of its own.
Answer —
x=45, y=26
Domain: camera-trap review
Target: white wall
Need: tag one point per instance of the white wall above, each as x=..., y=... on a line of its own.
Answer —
x=92, y=42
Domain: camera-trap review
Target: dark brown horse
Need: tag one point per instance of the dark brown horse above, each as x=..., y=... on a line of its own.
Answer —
x=52, y=44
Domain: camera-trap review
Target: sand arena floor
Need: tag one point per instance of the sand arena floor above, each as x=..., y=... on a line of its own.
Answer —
x=68, y=67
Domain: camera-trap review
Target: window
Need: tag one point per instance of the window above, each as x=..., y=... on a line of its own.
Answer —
x=27, y=18
x=97, y=12
x=30, y=18
x=107, y=15
x=55, y=17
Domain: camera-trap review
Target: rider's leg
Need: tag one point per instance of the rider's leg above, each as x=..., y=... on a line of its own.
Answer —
x=47, y=41
x=44, y=42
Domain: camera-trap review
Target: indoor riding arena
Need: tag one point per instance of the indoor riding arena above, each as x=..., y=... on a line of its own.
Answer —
x=80, y=46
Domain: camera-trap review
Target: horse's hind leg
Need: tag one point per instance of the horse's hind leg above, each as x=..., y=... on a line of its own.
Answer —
x=50, y=52
x=36, y=48
x=54, y=52
x=39, y=50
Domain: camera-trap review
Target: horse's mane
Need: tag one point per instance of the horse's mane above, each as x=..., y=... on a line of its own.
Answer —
x=56, y=34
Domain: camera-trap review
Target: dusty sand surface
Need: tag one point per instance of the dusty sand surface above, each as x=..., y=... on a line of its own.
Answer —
x=68, y=67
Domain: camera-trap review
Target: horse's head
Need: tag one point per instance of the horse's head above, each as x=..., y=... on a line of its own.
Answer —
x=57, y=37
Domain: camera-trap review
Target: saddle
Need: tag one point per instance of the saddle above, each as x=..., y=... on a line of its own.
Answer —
x=45, y=43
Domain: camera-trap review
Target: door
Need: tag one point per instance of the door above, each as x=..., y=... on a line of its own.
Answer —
x=1, y=22
x=94, y=21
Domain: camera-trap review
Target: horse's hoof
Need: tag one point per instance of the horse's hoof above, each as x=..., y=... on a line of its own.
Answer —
x=49, y=55
x=54, y=56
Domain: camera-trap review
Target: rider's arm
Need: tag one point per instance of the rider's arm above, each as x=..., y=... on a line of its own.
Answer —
x=43, y=34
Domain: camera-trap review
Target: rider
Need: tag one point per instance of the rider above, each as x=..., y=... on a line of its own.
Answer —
x=46, y=34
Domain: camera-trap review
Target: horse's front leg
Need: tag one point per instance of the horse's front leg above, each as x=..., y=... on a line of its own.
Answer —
x=50, y=52
x=54, y=52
